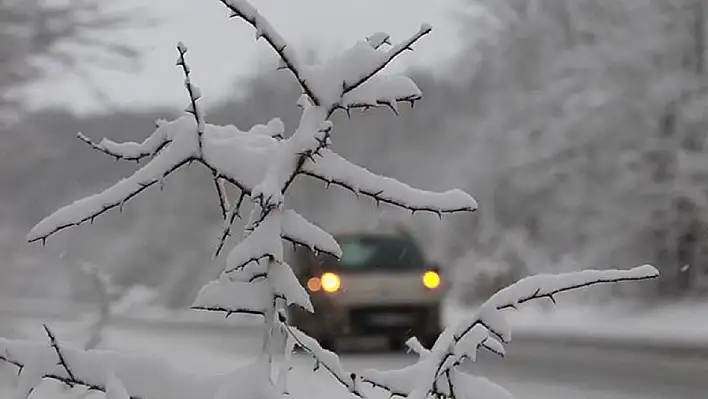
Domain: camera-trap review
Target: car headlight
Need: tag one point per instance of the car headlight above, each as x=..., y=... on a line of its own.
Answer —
x=431, y=279
x=330, y=282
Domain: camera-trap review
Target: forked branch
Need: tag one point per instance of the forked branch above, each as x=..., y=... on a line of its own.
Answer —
x=390, y=55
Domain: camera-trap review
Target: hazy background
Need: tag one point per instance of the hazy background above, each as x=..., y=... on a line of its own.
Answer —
x=579, y=125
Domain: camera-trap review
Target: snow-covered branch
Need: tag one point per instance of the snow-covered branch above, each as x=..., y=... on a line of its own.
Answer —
x=130, y=151
x=300, y=231
x=87, y=209
x=334, y=169
x=436, y=372
x=354, y=82
x=326, y=359
x=244, y=10
x=141, y=377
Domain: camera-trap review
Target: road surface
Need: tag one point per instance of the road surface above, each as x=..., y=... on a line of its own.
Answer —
x=533, y=369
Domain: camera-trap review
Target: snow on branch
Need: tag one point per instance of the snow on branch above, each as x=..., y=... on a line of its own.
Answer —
x=350, y=79
x=263, y=242
x=180, y=152
x=300, y=231
x=131, y=151
x=233, y=297
x=382, y=90
x=140, y=376
x=548, y=285
x=326, y=359
x=238, y=157
x=336, y=83
x=309, y=139
x=334, y=169
x=244, y=10
x=357, y=78
x=285, y=285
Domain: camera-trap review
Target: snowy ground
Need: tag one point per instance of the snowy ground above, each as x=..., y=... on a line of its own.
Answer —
x=668, y=325
x=530, y=371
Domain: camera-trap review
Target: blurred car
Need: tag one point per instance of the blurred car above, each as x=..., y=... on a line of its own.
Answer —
x=383, y=285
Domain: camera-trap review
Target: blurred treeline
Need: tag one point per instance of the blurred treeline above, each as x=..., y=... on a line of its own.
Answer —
x=579, y=125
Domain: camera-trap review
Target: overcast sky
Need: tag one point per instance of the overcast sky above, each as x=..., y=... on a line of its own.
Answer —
x=221, y=49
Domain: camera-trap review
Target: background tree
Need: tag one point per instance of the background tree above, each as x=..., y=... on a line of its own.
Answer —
x=37, y=35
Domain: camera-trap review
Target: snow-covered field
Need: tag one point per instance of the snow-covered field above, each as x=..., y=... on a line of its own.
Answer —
x=528, y=372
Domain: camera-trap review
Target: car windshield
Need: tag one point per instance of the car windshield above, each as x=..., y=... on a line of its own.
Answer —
x=379, y=252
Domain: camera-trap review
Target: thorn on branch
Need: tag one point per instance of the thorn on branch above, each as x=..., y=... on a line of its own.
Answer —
x=391, y=107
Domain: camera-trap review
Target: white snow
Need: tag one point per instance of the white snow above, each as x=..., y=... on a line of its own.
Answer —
x=286, y=285
x=234, y=297
x=668, y=325
x=539, y=287
x=264, y=241
x=301, y=231
x=142, y=376
x=326, y=358
x=115, y=388
x=334, y=169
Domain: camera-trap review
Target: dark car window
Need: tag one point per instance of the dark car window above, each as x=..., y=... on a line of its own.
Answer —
x=379, y=252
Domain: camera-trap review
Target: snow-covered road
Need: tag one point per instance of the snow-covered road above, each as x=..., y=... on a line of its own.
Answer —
x=531, y=370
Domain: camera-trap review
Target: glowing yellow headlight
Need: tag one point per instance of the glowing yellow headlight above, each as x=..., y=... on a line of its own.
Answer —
x=431, y=279
x=330, y=282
